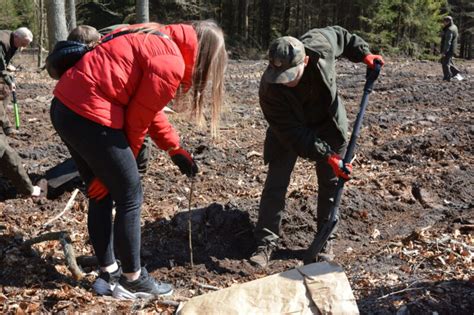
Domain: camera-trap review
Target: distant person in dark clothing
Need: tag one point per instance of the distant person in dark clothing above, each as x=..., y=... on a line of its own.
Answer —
x=449, y=42
x=10, y=42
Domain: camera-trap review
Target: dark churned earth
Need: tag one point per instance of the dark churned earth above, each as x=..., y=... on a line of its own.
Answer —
x=406, y=235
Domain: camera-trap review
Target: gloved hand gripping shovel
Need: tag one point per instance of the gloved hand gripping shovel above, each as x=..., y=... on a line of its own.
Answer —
x=323, y=235
x=16, y=111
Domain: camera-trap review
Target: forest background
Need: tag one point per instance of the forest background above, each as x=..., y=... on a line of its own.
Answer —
x=392, y=27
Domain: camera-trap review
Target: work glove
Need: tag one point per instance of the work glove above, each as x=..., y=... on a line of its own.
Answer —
x=184, y=161
x=369, y=60
x=97, y=190
x=337, y=164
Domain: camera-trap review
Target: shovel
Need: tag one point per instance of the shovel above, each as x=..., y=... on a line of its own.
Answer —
x=16, y=111
x=323, y=235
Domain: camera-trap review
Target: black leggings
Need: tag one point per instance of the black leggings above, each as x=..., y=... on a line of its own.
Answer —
x=104, y=152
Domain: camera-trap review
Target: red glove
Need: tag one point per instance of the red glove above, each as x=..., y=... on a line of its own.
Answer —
x=97, y=190
x=184, y=161
x=342, y=171
x=369, y=60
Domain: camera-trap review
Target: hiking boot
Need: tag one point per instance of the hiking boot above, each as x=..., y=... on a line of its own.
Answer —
x=107, y=281
x=261, y=257
x=145, y=286
x=326, y=254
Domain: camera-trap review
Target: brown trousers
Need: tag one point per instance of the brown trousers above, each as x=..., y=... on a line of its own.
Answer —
x=280, y=167
x=12, y=168
x=4, y=100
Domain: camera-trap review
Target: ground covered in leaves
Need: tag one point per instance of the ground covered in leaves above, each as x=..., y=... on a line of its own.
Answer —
x=405, y=240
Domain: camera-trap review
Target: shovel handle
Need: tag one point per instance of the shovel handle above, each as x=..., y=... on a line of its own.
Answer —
x=16, y=110
x=323, y=235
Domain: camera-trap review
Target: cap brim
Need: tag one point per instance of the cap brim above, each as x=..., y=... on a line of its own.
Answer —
x=271, y=75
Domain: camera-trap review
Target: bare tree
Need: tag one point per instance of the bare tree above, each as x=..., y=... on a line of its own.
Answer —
x=41, y=19
x=142, y=10
x=56, y=19
x=243, y=22
x=71, y=14
x=265, y=22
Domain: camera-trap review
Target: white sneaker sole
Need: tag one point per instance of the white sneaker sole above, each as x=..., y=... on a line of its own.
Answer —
x=102, y=287
x=123, y=294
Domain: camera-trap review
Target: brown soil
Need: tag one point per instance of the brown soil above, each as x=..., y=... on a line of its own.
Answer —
x=405, y=239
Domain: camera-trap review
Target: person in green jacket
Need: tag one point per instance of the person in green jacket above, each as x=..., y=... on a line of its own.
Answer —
x=10, y=43
x=449, y=42
x=299, y=99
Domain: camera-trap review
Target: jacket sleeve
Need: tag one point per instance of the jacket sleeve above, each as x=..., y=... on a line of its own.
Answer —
x=346, y=44
x=3, y=69
x=163, y=133
x=290, y=130
x=447, y=41
x=161, y=78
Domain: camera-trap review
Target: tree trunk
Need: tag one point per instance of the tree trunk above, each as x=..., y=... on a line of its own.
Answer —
x=265, y=15
x=285, y=24
x=243, y=22
x=246, y=19
x=228, y=17
x=41, y=20
x=298, y=27
x=56, y=18
x=71, y=14
x=142, y=10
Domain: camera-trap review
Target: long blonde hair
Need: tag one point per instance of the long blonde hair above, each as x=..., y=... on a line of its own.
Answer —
x=211, y=62
x=210, y=65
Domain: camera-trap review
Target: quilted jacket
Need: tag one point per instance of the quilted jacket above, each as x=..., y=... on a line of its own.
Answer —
x=126, y=82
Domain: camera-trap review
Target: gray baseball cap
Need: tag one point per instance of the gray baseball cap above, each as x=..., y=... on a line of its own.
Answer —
x=285, y=55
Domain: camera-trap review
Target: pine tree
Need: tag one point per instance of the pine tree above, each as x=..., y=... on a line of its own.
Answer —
x=409, y=27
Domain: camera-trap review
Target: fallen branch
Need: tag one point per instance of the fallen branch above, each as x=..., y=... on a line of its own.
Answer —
x=143, y=303
x=409, y=288
x=65, y=240
x=190, y=231
x=207, y=286
x=68, y=206
x=468, y=247
x=449, y=239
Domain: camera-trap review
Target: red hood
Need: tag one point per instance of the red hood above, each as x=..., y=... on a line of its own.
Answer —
x=185, y=38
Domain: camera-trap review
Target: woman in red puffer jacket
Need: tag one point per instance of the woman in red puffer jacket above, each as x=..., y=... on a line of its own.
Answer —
x=103, y=108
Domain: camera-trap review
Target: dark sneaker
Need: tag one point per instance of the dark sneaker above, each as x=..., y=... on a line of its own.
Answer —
x=106, y=282
x=262, y=256
x=145, y=286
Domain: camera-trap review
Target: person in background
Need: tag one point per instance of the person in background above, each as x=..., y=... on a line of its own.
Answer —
x=299, y=99
x=85, y=34
x=103, y=108
x=10, y=43
x=449, y=43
